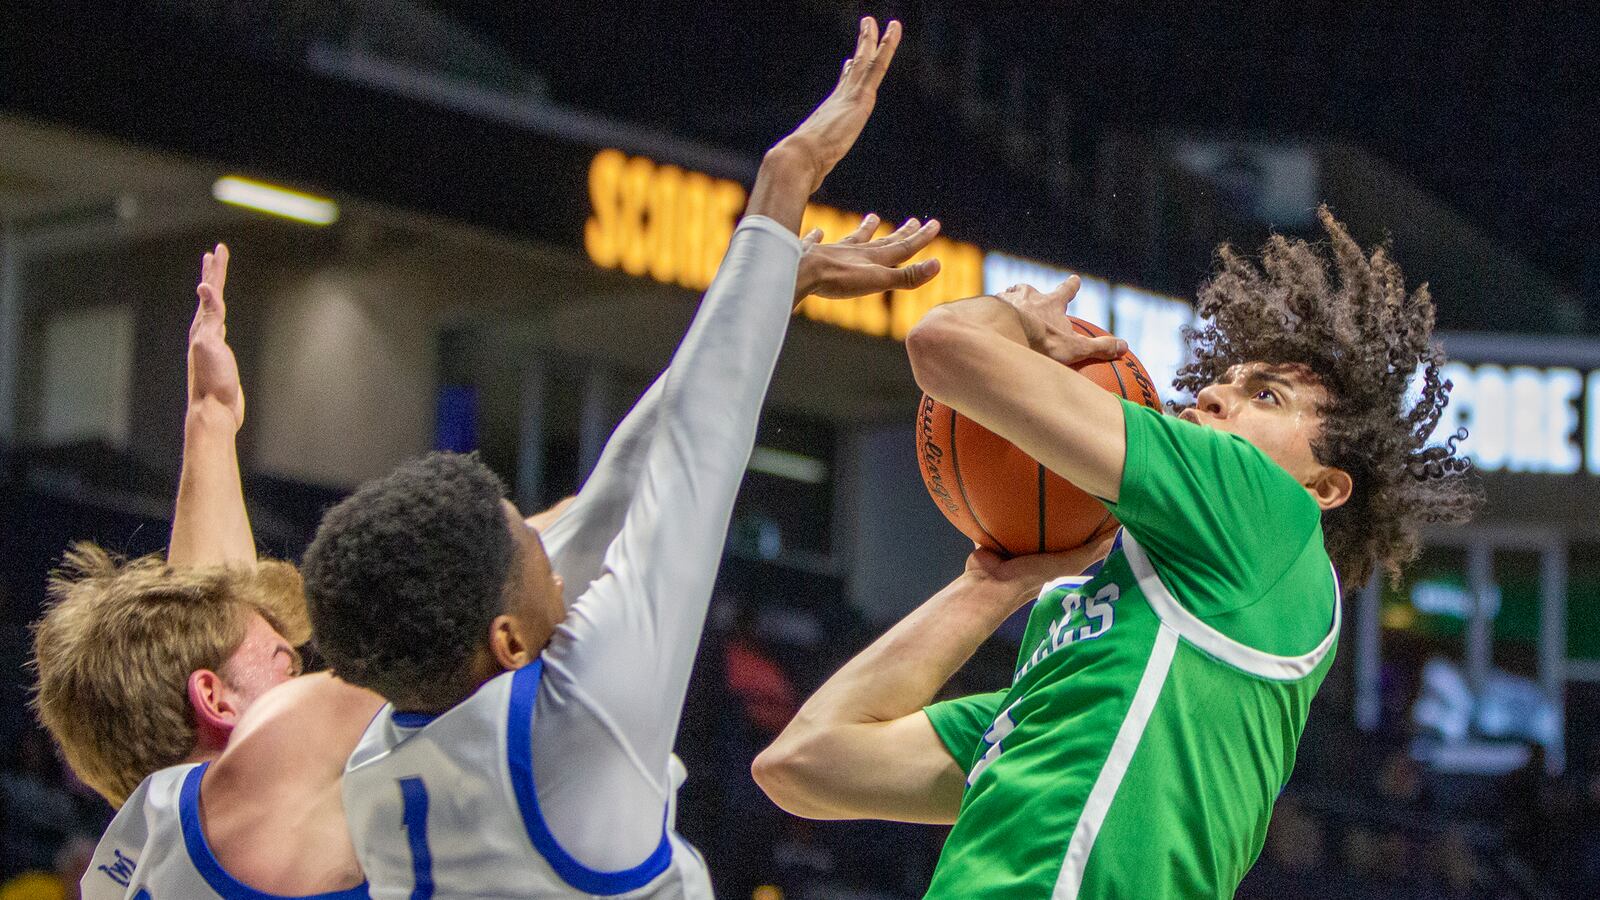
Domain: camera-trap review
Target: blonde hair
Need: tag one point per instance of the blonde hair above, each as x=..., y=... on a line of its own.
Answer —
x=118, y=641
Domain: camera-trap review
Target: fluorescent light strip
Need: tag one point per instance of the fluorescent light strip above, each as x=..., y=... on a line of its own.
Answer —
x=785, y=464
x=275, y=200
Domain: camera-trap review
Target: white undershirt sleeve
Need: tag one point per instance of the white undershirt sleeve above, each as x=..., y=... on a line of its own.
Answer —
x=618, y=668
x=577, y=541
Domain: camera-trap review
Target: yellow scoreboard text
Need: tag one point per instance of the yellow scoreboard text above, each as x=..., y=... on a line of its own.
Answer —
x=672, y=225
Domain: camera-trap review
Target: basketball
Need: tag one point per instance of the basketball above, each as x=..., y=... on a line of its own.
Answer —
x=998, y=495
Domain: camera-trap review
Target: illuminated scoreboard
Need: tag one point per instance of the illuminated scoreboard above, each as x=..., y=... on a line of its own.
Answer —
x=672, y=225
x=1524, y=418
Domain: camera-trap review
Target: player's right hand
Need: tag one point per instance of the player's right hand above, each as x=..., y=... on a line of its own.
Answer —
x=213, y=370
x=1021, y=577
x=1044, y=320
x=832, y=128
x=858, y=265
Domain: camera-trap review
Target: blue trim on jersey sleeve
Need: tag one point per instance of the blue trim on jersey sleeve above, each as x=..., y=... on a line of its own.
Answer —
x=519, y=756
x=200, y=855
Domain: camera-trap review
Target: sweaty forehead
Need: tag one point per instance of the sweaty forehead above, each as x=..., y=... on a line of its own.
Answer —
x=1297, y=374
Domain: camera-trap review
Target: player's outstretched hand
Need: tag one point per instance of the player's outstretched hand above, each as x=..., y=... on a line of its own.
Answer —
x=1018, y=580
x=859, y=264
x=832, y=128
x=794, y=168
x=213, y=371
x=1044, y=319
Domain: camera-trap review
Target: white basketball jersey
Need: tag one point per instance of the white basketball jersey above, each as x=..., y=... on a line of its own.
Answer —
x=446, y=806
x=155, y=849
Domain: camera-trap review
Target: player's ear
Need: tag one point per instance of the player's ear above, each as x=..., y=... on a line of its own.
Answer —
x=1330, y=487
x=214, y=707
x=506, y=643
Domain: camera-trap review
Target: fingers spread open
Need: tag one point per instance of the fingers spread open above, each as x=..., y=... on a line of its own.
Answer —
x=904, y=244
x=906, y=229
x=918, y=274
x=869, y=224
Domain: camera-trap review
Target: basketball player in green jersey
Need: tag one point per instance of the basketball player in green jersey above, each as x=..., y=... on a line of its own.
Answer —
x=1158, y=697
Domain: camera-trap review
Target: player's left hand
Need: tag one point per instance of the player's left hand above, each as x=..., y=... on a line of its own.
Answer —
x=859, y=265
x=213, y=370
x=1044, y=319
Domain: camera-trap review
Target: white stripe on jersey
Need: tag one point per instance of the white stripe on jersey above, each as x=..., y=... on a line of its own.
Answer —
x=155, y=849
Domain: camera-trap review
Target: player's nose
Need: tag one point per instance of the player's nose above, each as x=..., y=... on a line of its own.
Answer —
x=1213, y=400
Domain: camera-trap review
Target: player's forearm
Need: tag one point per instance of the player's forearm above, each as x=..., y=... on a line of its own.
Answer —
x=210, y=525
x=783, y=185
x=977, y=357
x=856, y=749
x=577, y=536
x=902, y=671
x=634, y=634
x=941, y=345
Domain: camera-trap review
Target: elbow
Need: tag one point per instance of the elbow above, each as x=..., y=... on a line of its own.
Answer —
x=935, y=348
x=788, y=779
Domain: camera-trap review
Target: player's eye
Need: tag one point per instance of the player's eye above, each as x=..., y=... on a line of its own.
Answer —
x=1267, y=395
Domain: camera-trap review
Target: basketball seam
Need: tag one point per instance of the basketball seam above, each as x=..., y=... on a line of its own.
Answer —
x=1042, y=504
x=961, y=485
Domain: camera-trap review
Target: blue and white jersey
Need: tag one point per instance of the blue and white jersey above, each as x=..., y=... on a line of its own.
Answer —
x=155, y=849
x=558, y=780
x=462, y=789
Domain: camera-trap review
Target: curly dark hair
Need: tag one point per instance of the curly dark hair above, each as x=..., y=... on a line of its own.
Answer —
x=405, y=577
x=1346, y=316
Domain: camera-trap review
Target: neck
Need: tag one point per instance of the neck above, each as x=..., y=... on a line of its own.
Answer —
x=201, y=754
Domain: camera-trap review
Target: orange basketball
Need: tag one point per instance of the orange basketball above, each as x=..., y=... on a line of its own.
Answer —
x=999, y=496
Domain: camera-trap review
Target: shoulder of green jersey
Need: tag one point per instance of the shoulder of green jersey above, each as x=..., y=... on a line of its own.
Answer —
x=1213, y=642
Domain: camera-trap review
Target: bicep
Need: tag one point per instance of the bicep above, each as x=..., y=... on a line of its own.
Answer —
x=1054, y=414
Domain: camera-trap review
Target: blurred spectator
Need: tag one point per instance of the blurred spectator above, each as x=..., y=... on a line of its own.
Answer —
x=753, y=677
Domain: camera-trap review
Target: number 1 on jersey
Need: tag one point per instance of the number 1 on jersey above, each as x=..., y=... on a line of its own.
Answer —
x=414, y=794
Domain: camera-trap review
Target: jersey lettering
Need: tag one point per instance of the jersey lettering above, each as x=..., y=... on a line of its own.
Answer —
x=1082, y=619
x=119, y=869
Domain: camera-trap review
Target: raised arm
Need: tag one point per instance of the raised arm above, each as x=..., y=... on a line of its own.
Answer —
x=210, y=525
x=998, y=361
x=577, y=531
x=629, y=642
x=862, y=747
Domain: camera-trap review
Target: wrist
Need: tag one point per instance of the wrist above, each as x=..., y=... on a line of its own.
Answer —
x=790, y=161
x=988, y=596
x=807, y=277
x=208, y=414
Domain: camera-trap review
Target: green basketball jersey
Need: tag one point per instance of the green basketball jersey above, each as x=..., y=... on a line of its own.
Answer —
x=1156, y=703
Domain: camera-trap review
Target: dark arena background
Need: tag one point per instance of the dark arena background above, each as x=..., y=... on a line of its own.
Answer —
x=502, y=215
